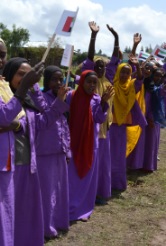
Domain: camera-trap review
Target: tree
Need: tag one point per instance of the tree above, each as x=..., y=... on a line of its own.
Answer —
x=15, y=38
x=127, y=50
x=142, y=48
x=99, y=52
x=79, y=58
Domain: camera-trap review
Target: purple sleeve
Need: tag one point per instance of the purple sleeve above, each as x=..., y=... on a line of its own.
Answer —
x=77, y=79
x=162, y=90
x=111, y=68
x=164, y=67
x=133, y=68
x=99, y=113
x=24, y=124
x=8, y=111
x=138, y=85
x=149, y=114
x=87, y=65
x=37, y=96
x=49, y=116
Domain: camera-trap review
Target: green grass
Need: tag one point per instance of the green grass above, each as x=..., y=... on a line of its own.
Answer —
x=136, y=217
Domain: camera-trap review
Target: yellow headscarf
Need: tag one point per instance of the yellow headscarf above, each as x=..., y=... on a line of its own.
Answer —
x=124, y=95
x=101, y=88
x=6, y=94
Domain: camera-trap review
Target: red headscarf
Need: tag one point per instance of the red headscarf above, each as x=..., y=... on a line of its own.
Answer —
x=81, y=127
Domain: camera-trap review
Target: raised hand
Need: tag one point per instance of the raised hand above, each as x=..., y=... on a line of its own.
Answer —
x=62, y=92
x=29, y=79
x=108, y=94
x=137, y=38
x=112, y=30
x=33, y=76
x=93, y=26
x=133, y=59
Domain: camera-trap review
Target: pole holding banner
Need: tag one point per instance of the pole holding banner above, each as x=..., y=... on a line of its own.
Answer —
x=66, y=23
x=49, y=47
x=64, y=28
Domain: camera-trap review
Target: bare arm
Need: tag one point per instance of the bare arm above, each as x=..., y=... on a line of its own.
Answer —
x=94, y=30
x=133, y=60
x=116, y=42
x=136, y=40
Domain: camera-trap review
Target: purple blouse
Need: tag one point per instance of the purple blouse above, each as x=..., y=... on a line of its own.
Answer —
x=8, y=112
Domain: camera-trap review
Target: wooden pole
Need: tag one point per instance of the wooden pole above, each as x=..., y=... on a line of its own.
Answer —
x=70, y=62
x=48, y=48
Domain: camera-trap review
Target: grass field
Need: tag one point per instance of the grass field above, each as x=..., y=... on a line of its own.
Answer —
x=136, y=217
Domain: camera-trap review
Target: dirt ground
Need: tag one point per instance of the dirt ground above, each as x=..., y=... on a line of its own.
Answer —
x=136, y=217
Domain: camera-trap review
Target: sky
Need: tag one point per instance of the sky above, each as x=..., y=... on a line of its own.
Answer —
x=41, y=17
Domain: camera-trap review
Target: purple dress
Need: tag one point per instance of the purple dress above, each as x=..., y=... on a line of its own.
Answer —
x=82, y=192
x=135, y=159
x=104, y=155
x=29, y=227
x=118, y=140
x=152, y=135
x=104, y=174
x=7, y=114
x=53, y=147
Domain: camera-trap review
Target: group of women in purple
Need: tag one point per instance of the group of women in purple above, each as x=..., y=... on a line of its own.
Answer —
x=64, y=150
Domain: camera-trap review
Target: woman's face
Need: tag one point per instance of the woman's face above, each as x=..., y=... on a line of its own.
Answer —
x=3, y=53
x=56, y=82
x=90, y=84
x=23, y=69
x=157, y=78
x=147, y=71
x=125, y=74
x=99, y=68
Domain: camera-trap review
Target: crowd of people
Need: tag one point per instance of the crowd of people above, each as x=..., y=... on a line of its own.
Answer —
x=64, y=150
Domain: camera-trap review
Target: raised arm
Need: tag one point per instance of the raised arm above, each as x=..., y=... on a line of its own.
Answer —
x=9, y=110
x=136, y=40
x=134, y=61
x=116, y=42
x=94, y=30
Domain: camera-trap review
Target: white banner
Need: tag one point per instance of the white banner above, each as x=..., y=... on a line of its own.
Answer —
x=67, y=55
x=66, y=23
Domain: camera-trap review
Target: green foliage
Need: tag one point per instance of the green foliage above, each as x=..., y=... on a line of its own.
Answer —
x=15, y=38
x=79, y=57
x=35, y=54
x=127, y=50
x=99, y=52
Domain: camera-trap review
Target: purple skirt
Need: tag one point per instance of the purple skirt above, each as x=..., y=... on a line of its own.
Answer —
x=53, y=176
x=118, y=157
x=82, y=192
x=136, y=158
x=152, y=136
x=6, y=209
x=29, y=229
x=104, y=168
